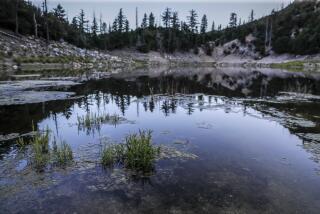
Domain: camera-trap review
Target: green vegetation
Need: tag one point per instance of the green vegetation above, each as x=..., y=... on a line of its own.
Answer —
x=296, y=66
x=137, y=153
x=40, y=150
x=112, y=154
x=62, y=154
x=42, y=154
x=293, y=29
x=57, y=59
x=21, y=142
x=286, y=65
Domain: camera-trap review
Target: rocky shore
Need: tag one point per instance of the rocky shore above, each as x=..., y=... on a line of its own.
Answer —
x=29, y=53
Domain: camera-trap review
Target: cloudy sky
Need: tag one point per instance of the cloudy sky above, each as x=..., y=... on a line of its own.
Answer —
x=216, y=10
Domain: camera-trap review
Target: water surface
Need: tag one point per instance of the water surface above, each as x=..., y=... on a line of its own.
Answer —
x=255, y=135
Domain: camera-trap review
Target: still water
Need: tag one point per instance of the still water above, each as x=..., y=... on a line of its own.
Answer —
x=250, y=140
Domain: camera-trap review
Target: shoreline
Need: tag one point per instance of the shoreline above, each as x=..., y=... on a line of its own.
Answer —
x=31, y=54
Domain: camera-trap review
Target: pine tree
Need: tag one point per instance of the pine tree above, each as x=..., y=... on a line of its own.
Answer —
x=151, y=21
x=82, y=21
x=104, y=28
x=166, y=17
x=114, y=27
x=233, y=20
x=251, y=17
x=101, y=30
x=94, y=27
x=204, y=24
x=144, y=23
x=59, y=12
x=121, y=21
x=175, y=23
x=126, y=26
x=74, y=23
x=192, y=21
x=213, y=27
x=184, y=27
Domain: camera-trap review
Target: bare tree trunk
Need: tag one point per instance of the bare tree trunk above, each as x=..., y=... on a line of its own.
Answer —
x=45, y=8
x=35, y=26
x=270, y=36
x=17, y=18
x=137, y=22
x=266, y=36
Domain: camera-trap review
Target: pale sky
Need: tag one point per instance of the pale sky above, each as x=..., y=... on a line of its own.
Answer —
x=217, y=10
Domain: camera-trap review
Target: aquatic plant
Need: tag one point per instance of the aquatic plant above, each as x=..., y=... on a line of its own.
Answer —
x=62, y=154
x=21, y=142
x=40, y=150
x=140, y=154
x=112, y=154
x=42, y=154
x=137, y=152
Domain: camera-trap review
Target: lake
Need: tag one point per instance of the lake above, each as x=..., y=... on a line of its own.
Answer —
x=240, y=141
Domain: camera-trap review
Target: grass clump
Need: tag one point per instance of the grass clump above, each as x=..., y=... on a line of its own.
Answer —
x=21, y=142
x=112, y=154
x=40, y=149
x=41, y=153
x=136, y=153
x=140, y=154
x=62, y=154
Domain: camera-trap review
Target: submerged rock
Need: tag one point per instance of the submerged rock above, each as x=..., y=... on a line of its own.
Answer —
x=173, y=153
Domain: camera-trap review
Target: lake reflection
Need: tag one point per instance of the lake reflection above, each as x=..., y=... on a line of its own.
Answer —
x=255, y=142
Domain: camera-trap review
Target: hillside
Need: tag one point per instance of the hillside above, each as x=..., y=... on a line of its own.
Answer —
x=293, y=30
x=286, y=38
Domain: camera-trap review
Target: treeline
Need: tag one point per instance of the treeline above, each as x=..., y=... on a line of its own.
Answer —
x=294, y=29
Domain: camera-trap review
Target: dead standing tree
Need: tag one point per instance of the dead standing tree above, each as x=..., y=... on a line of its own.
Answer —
x=268, y=35
x=45, y=12
x=35, y=25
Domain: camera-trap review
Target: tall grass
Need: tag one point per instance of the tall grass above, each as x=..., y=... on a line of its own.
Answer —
x=140, y=154
x=112, y=154
x=42, y=154
x=62, y=154
x=40, y=150
x=136, y=153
